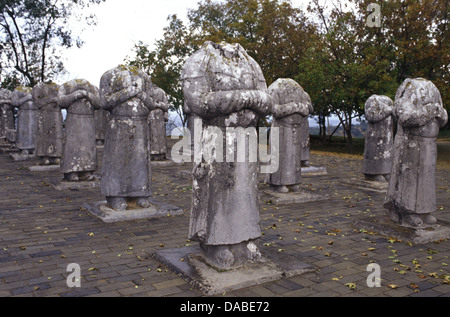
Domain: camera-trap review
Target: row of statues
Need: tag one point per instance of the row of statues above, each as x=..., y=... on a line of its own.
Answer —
x=40, y=130
x=225, y=88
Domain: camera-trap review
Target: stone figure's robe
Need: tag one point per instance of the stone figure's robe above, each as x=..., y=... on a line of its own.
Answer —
x=157, y=122
x=27, y=119
x=49, y=141
x=379, y=143
x=101, y=117
x=80, y=98
x=291, y=106
x=420, y=114
x=126, y=168
x=7, y=121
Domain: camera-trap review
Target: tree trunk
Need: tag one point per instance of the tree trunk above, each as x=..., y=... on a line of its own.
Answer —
x=348, y=132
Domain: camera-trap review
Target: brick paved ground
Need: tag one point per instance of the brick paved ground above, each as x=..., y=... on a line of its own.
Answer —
x=42, y=231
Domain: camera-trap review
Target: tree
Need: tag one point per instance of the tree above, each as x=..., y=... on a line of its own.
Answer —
x=412, y=41
x=273, y=32
x=32, y=32
x=165, y=62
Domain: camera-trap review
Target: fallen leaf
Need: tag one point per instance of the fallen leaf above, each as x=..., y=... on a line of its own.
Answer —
x=393, y=286
x=351, y=286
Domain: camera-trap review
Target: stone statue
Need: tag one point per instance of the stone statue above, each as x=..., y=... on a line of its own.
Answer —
x=79, y=160
x=49, y=140
x=27, y=120
x=411, y=196
x=226, y=88
x=190, y=124
x=157, y=122
x=7, y=121
x=305, y=137
x=291, y=106
x=379, y=144
x=101, y=117
x=125, y=92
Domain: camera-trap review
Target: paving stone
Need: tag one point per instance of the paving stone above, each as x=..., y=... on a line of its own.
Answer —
x=28, y=256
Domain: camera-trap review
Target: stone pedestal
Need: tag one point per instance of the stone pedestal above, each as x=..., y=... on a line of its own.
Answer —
x=44, y=168
x=415, y=235
x=60, y=184
x=189, y=263
x=157, y=209
x=314, y=171
x=380, y=187
x=19, y=157
x=302, y=196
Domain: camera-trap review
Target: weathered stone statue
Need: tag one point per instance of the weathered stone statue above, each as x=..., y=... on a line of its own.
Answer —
x=7, y=121
x=126, y=171
x=291, y=106
x=157, y=122
x=49, y=141
x=411, y=196
x=379, y=145
x=79, y=160
x=305, y=137
x=225, y=87
x=190, y=124
x=101, y=117
x=27, y=120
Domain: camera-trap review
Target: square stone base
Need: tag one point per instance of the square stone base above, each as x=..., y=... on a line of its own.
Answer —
x=421, y=235
x=164, y=163
x=59, y=184
x=188, y=262
x=302, y=196
x=8, y=149
x=44, y=168
x=18, y=157
x=314, y=171
x=380, y=187
x=156, y=210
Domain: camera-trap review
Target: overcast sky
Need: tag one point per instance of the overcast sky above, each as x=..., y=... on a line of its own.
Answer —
x=120, y=25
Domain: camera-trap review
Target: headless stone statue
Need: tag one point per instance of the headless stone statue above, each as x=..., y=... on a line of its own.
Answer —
x=101, y=117
x=49, y=141
x=411, y=196
x=225, y=87
x=157, y=122
x=125, y=92
x=7, y=121
x=291, y=106
x=79, y=160
x=305, y=137
x=27, y=120
x=379, y=145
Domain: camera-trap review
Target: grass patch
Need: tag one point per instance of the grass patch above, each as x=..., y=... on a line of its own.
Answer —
x=338, y=147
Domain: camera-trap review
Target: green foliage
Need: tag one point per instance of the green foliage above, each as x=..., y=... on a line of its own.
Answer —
x=328, y=49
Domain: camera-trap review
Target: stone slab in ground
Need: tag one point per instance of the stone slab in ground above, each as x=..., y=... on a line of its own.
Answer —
x=299, y=197
x=380, y=187
x=157, y=209
x=59, y=184
x=190, y=265
x=422, y=235
x=44, y=168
